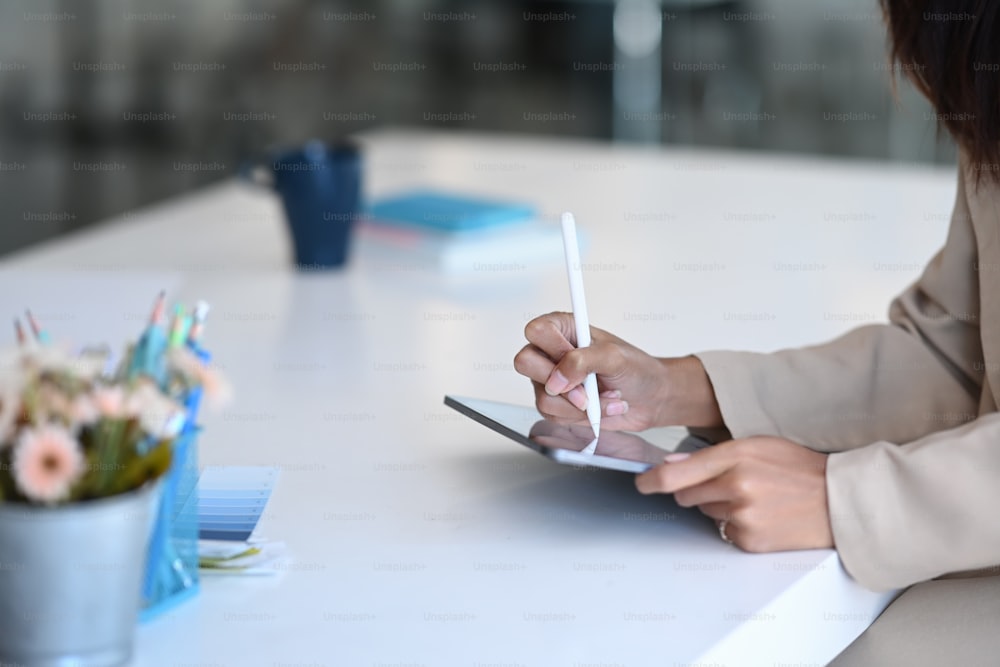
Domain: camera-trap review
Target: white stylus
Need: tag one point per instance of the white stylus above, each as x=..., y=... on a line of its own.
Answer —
x=580, y=318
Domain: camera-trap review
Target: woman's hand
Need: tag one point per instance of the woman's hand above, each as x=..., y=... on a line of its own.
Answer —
x=771, y=492
x=638, y=391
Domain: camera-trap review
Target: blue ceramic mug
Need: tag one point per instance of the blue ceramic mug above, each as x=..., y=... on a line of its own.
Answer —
x=320, y=188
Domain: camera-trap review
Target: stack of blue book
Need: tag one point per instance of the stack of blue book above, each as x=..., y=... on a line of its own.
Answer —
x=457, y=233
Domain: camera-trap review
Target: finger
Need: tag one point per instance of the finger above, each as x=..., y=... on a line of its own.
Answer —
x=614, y=407
x=611, y=404
x=533, y=363
x=714, y=490
x=610, y=407
x=740, y=536
x=578, y=397
x=554, y=334
x=719, y=511
x=734, y=529
x=699, y=467
x=557, y=408
x=605, y=359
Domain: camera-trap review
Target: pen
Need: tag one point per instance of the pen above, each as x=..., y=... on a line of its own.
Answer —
x=19, y=330
x=580, y=318
x=40, y=334
x=197, y=322
x=159, y=308
x=193, y=400
x=179, y=327
x=147, y=357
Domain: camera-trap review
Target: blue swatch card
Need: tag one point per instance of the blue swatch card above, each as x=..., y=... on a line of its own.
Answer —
x=231, y=500
x=448, y=213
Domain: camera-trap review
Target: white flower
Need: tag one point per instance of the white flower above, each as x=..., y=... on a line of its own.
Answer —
x=10, y=407
x=216, y=389
x=52, y=402
x=91, y=363
x=83, y=410
x=156, y=411
x=12, y=381
x=33, y=360
x=49, y=358
x=47, y=461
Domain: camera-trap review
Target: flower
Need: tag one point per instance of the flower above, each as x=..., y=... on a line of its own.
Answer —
x=91, y=362
x=55, y=358
x=52, y=402
x=155, y=411
x=88, y=364
x=83, y=410
x=213, y=384
x=74, y=426
x=12, y=382
x=10, y=408
x=47, y=461
x=109, y=401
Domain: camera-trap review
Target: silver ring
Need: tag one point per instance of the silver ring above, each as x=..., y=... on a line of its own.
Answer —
x=722, y=531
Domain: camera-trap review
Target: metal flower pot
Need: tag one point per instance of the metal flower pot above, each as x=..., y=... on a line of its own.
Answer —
x=70, y=580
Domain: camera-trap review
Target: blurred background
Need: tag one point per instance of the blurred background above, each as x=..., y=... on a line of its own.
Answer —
x=108, y=105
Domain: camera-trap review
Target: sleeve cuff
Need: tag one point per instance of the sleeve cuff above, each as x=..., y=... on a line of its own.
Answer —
x=857, y=532
x=732, y=378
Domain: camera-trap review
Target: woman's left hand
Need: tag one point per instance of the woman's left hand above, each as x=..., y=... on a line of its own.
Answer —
x=770, y=492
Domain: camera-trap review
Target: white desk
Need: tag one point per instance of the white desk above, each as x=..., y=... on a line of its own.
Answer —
x=421, y=538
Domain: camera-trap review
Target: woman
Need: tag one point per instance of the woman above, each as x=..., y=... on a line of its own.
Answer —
x=884, y=443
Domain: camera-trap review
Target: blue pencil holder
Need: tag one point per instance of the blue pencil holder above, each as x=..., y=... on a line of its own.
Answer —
x=172, y=561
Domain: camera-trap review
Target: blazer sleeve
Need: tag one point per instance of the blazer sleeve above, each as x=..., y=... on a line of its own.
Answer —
x=904, y=514
x=921, y=373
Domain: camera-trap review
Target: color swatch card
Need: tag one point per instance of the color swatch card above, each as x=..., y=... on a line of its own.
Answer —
x=231, y=500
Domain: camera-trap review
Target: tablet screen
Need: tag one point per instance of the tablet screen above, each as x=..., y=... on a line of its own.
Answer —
x=616, y=450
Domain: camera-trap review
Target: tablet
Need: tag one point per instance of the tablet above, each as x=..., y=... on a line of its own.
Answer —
x=616, y=450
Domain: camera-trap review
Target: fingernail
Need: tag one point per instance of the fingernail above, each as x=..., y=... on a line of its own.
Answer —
x=578, y=397
x=617, y=408
x=676, y=457
x=612, y=393
x=556, y=384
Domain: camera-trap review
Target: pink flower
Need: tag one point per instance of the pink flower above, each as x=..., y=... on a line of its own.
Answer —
x=109, y=401
x=47, y=461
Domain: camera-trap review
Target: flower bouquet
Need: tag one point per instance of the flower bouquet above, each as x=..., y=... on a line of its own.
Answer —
x=88, y=448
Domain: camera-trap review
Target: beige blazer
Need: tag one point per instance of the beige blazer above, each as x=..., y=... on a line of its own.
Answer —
x=908, y=411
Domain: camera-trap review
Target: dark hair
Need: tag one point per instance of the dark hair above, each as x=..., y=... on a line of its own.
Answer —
x=950, y=50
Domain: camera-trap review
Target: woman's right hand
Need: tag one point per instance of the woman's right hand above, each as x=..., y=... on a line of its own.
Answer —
x=638, y=391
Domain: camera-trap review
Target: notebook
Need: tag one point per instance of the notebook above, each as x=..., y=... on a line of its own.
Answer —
x=444, y=212
x=457, y=234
